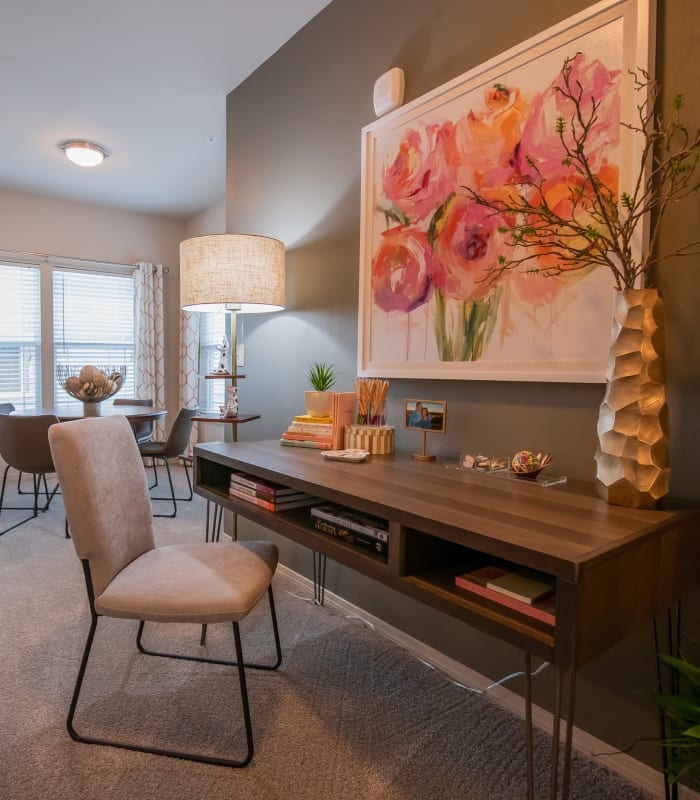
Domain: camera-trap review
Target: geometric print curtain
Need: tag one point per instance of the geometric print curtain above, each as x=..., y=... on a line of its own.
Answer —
x=150, y=337
x=188, y=379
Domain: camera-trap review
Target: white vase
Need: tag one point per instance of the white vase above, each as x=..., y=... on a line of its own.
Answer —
x=318, y=404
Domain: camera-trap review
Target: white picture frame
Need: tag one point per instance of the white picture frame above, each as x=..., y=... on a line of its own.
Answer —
x=404, y=321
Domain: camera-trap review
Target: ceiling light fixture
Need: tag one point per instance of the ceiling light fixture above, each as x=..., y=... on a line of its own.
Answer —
x=84, y=154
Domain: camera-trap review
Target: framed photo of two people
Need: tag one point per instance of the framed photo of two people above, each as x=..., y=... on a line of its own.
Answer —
x=427, y=415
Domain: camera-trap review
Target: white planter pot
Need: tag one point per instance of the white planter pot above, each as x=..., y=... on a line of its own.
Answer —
x=318, y=404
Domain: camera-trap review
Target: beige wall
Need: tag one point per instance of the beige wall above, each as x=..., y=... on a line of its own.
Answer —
x=43, y=224
x=293, y=171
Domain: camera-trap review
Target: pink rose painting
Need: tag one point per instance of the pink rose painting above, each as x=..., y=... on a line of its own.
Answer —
x=436, y=293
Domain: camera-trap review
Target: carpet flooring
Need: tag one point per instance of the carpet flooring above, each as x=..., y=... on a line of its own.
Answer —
x=348, y=715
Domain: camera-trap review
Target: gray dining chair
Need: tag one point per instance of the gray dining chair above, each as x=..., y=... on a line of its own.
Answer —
x=128, y=577
x=143, y=429
x=24, y=446
x=177, y=442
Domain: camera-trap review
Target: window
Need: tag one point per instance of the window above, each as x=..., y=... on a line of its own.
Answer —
x=212, y=329
x=89, y=316
x=93, y=323
x=20, y=336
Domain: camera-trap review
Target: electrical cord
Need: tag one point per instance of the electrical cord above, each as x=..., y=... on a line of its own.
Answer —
x=458, y=684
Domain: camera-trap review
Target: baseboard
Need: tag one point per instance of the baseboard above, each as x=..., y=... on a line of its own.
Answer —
x=634, y=771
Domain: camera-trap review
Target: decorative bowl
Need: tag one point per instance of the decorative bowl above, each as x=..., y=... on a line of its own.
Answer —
x=526, y=464
x=90, y=384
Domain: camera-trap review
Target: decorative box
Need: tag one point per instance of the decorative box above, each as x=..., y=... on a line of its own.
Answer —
x=377, y=439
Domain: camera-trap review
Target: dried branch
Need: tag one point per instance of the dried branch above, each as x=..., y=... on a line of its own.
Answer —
x=599, y=228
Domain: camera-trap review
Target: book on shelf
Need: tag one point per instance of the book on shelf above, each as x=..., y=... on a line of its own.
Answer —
x=364, y=524
x=262, y=485
x=306, y=443
x=343, y=414
x=477, y=580
x=270, y=505
x=355, y=538
x=307, y=437
x=280, y=498
x=319, y=428
x=526, y=585
x=309, y=420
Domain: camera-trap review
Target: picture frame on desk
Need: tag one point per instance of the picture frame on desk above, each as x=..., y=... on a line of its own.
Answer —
x=432, y=303
x=427, y=415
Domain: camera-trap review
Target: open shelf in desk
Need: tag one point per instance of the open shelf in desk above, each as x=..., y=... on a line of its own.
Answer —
x=430, y=565
x=295, y=524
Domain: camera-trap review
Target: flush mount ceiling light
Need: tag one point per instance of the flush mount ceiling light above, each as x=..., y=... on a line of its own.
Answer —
x=84, y=154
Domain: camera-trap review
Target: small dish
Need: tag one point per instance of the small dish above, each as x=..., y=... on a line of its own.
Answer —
x=350, y=454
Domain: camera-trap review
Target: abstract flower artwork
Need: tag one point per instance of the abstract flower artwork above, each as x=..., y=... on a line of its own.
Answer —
x=433, y=302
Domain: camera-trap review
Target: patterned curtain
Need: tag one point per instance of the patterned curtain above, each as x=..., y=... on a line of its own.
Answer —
x=189, y=365
x=150, y=337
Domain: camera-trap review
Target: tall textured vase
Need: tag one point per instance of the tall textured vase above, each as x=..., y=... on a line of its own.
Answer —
x=632, y=455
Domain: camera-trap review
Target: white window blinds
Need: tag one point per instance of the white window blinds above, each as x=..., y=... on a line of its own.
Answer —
x=93, y=321
x=212, y=329
x=20, y=336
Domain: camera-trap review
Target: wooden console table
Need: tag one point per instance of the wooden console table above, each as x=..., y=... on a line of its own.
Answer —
x=615, y=567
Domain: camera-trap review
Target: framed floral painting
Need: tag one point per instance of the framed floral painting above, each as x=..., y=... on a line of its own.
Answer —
x=432, y=303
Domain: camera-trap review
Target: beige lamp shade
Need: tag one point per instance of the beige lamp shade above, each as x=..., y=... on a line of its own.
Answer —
x=232, y=271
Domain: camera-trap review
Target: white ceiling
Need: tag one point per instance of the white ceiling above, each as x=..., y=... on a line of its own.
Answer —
x=146, y=79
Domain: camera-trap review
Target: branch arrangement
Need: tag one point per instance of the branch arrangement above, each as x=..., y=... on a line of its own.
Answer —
x=597, y=227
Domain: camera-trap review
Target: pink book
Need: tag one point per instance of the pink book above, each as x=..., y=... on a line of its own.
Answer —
x=475, y=581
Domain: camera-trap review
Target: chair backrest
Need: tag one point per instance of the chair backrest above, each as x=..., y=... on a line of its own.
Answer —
x=143, y=429
x=105, y=493
x=24, y=442
x=6, y=408
x=179, y=437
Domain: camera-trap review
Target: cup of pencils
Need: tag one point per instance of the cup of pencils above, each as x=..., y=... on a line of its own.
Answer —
x=371, y=400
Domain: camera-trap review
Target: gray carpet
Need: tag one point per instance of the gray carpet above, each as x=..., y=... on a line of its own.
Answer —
x=348, y=715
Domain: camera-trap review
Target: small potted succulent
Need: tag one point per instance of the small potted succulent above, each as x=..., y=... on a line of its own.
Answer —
x=319, y=401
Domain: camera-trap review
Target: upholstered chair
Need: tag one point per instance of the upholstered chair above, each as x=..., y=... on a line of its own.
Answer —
x=177, y=442
x=127, y=577
x=24, y=446
x=143, y=429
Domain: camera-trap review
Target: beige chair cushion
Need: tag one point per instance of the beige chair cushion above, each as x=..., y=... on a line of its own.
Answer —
x=216, y=582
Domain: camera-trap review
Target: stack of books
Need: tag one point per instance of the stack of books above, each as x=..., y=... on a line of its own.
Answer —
x=525, y=590
x=322, y=433
x=360, y=530
x=307, y=431
x=266, y=494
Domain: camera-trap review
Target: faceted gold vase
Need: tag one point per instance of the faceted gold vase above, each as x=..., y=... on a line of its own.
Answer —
x=632, y=455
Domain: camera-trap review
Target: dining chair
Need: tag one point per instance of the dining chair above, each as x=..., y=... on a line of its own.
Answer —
x=8, y=408
x=24, y=446
x=177, y=442
x=143, y=429
x=128, y=577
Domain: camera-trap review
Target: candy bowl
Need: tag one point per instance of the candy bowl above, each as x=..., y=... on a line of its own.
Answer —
x=526, y=464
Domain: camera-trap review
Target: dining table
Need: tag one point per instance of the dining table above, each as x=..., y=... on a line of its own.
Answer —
x=78, y=410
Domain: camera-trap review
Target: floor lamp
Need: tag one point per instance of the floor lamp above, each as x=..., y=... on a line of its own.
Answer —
x=238, y=273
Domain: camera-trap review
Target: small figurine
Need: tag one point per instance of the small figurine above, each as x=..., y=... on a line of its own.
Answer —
x=223, y=360
x=231, y=409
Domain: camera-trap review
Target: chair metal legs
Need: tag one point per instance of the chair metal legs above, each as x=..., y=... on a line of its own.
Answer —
x=172, y=497
x=37, y=483
x=238, y=663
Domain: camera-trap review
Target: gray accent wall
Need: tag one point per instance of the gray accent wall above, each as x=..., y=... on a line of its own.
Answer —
x=293, y=172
